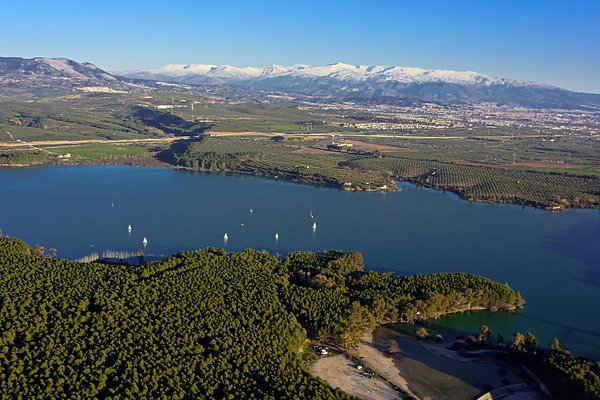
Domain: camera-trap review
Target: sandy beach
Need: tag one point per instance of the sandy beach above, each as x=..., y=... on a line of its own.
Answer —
x=340, y=372
x=409, y=369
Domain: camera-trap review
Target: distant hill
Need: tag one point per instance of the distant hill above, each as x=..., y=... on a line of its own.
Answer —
x=21, y=75
x=373, y=84
x=52, y=68
x=376, y=84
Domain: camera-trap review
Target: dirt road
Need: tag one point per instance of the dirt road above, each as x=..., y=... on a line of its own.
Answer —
x=22, y=143
x=325, y=135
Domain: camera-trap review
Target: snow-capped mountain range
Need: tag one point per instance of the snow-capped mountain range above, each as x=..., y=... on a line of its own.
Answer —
x=196, y=73
x=375, y=84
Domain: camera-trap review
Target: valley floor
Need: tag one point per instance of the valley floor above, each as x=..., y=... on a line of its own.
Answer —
x=310, y=159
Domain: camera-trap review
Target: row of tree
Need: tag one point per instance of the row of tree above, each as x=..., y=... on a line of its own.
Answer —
x=22, y=157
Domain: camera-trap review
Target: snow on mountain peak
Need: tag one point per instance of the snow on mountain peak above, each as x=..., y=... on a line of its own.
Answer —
x=182, y=69
x=337, y=71
x=62, y=65
x=228, y=71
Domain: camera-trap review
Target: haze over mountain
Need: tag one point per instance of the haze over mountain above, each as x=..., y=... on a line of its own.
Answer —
x=375, y=84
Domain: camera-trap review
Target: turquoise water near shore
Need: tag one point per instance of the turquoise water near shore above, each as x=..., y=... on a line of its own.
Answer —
x=552, y=258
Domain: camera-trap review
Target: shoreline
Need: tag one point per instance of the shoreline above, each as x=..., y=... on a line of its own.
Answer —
x=153, y=162
x=341, y=371
x=420, y=370
x=384, y=366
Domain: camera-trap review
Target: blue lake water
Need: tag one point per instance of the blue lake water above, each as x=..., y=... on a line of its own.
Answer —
x=552, y=258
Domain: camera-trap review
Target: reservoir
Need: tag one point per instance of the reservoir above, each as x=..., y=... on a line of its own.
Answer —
x=553, y=259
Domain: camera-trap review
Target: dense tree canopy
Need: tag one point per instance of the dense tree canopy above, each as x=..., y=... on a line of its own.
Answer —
x=566, y=376
x=22, y=157
x=200, y=324
x=204, y=324
x=325, y=286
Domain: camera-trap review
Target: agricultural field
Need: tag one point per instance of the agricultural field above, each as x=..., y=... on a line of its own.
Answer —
x=305, y=159
x=86, y=153
x=64, y=119
x=85, y=117
x=499, y=148
x=242, y=116
x=491, y=184
x=541, y=167
x=285, y=160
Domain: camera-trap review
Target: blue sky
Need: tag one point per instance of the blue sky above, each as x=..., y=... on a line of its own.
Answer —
x=553, y=42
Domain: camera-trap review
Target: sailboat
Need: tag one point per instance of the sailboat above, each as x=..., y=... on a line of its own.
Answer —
x=314, y=226
x=129, y=228
x=225, y=237
x=311, y=215
x=251, y=211
x=145, y=241
x=276, y=236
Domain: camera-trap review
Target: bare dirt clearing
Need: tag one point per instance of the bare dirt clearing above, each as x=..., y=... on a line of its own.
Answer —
x=342, y=373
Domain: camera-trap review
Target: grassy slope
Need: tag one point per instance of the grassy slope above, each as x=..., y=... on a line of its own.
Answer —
x=100, y=151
